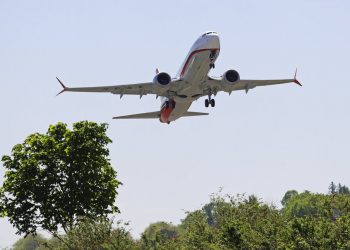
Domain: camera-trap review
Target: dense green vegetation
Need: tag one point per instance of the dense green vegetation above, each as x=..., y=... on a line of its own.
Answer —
x=306, y=221
x=63, y=182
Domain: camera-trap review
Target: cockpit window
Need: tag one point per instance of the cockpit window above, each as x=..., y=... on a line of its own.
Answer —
x=210, y=32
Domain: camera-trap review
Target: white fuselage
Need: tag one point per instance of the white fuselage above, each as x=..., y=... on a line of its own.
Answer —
x=193, y=72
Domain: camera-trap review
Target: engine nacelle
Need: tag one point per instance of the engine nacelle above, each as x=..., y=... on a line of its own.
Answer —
x=231, y=76
x=162, y=79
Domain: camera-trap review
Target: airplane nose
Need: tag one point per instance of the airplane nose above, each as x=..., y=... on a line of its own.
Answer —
x=214, y=41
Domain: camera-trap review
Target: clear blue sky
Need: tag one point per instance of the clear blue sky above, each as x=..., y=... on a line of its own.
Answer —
x=264, y=143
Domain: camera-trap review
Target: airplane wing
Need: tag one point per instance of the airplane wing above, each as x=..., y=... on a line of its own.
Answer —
x=126, y=89
x=216, y=85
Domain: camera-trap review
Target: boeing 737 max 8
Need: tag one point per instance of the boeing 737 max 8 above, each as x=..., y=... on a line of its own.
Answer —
x=191, y=83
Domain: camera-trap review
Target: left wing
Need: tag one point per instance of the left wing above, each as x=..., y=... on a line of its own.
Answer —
x=126, y=89
x=216, y=85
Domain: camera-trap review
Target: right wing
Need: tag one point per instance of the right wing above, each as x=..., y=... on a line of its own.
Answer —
x=126, y=89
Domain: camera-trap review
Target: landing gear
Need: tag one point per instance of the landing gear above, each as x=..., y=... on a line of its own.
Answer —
x=212, y=56
x=206, y=103
x=212, y=103
x=209, y=101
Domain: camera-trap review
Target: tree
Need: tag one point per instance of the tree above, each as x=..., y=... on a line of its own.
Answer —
x=289, y=194
x=342, y=189
x=308, y=204
x=316, y=221
x=30, y=242
x=160, y=235
x=54, y=179
x=97, y=234
x=332, y=189
x=232, y=222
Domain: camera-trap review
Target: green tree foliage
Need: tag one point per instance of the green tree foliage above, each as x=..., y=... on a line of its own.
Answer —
x=197, y=233
x=308, y=221
x=317, y=205
x=332, y=189
x=30, y=242
x=87, y=234
x=54, y=179
x=91, y=234
x=160, y=235
x=310, y=232
x=289, y=194
x=340, y=189
x=234, y=223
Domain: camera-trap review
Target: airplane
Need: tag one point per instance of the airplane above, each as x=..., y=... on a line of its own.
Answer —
x=191, y=83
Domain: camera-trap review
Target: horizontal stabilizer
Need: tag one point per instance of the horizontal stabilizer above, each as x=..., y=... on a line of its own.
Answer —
x=155, y=115
x=149, y=115
x=194, y=113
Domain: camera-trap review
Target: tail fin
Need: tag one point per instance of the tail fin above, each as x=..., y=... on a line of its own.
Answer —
x=295, y=78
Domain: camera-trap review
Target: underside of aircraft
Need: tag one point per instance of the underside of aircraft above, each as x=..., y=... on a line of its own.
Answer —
x=191, y=83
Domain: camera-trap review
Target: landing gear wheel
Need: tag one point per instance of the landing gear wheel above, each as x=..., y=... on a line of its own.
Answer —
x=212, y=103
x=206, y=103
x=212, y=66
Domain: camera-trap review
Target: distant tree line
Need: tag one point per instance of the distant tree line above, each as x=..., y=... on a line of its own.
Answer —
x=338, y=189
x=306, y=221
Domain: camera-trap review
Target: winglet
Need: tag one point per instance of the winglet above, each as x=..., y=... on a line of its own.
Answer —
x=295, y=78
x=64, y=87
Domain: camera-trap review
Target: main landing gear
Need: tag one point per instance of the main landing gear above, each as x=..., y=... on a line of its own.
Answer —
x=209, y=101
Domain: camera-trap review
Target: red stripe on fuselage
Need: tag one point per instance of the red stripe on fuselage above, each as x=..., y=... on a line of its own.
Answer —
x=189, y=58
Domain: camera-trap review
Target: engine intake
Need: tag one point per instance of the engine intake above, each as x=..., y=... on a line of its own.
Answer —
x=162, y=79
x=231, y=76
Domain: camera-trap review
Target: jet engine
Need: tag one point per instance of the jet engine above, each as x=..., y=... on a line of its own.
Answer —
x=162, y=79
x=231, y=76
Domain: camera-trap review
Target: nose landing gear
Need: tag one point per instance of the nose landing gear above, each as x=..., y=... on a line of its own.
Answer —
x=212, y=56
